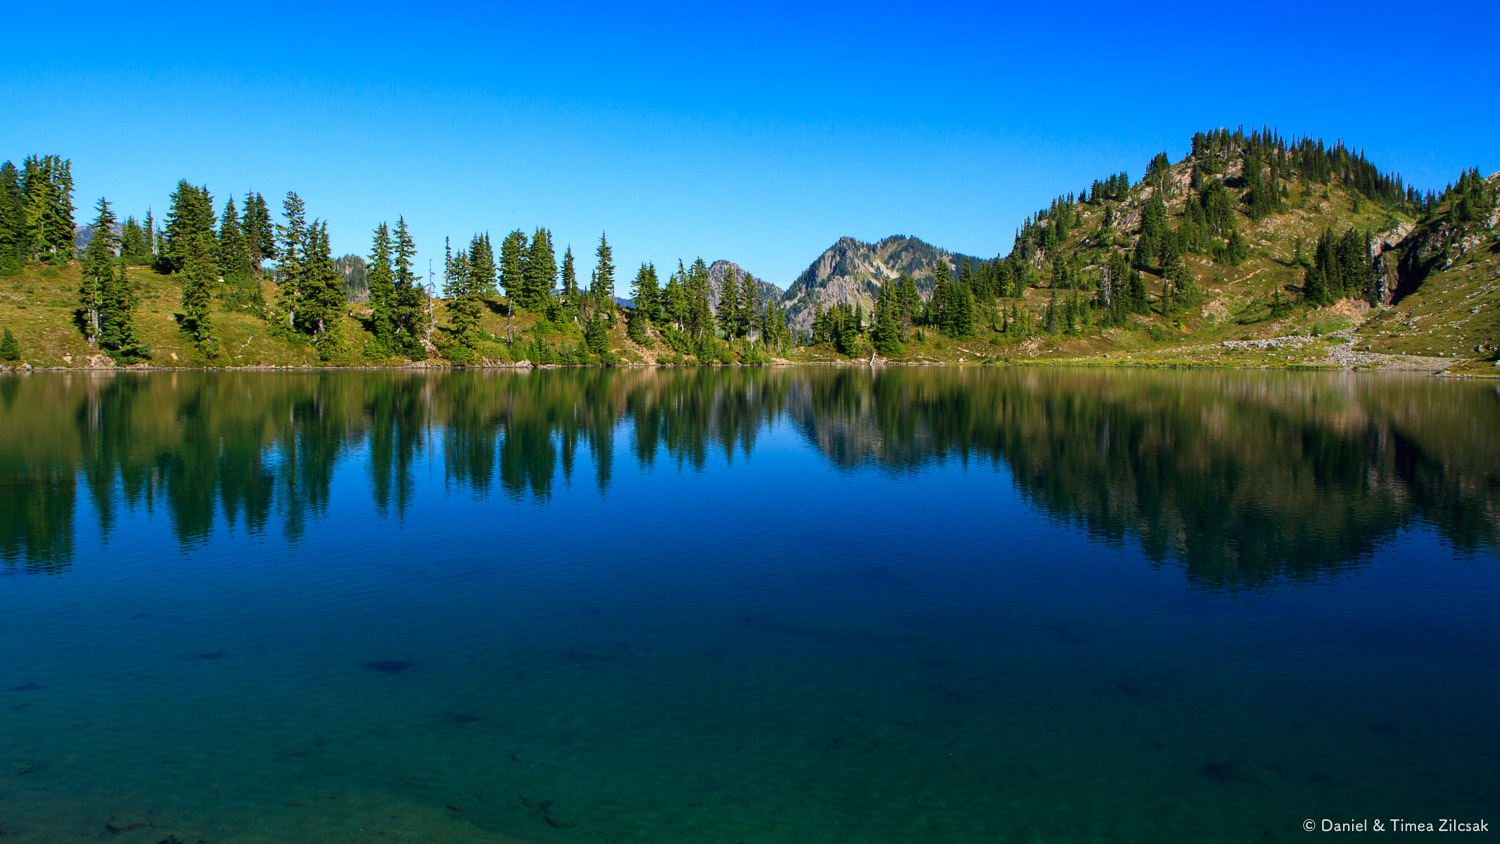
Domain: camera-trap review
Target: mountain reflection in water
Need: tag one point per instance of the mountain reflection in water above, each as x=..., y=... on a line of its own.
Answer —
x=1244, y=479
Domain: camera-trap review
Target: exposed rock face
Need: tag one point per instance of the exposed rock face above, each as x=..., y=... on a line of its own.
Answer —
x=852, y=271
x=716, y=271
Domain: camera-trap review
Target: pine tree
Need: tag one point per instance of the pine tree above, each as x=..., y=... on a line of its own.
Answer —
x=539, y=270
x=153, y=241
x=13, y=229
x=1238, y=250
x=908, y=303
x=98, y=264
x=699, y=317
x=117, y=333
x=234, y=257
x=482, y=265
x=133, y=249
x=47, y=187
x=408, y=312
x=195, y=251
x=10, y=348
x=513, y=260
x=190, y=218
x=382, y=291
x=729, y=303
x=749, y=305
x=323, y=301
x=645, y=294
x=887, y=332
x=461, y=286
x=604, y=276
x=290, y=259
x=569, y=280
x=260, y=235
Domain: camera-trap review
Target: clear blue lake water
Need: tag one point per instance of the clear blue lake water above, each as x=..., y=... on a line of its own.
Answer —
x=748, y=605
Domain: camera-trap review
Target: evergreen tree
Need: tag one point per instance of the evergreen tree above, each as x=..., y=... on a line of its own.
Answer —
x=513, y=260
x=13, y=230
x=408, y=311
x=539, y=270
x=234, y=257
x=482, y=265
x=98, y=264
x=291, y=259
x=1238, y=250
x=190, y=219
x=133, y=249
x=10, y=348
x=750, y=305
x=382, y=291
x=153, y=239
x=699, y=321
x=569, y=279
x=939, y=300
x=729, y=303
x=887, y=330
x=323, y=300
x=461, y=286
x=195, y=252
x=645, y=294
x=117, y=333
x=260, y=234
x=604, y=276
x=908, y=303
x=47, y=188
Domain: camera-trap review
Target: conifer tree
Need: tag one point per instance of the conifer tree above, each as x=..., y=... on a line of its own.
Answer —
x=291, y=258
x=10, y=348
x=260, y=234
x=149, y=230
x=539, y=270
x=513, y=261
x=190, y=218
x=408, y=313
x=699, y=321
x=1238, y=250
x=749, y=305
x=323, y=299
x=98, y=264
x=644, y=292
x=382, y=291
x=195, y=251
x=133, y=250
x=13, y=229
x=234, y=257
x=482, y=265
x=461, y=287
x=604, y=276
x=117, y=333
x=729, y=303
x=886, y=335
x=569, y=280
x=47, y=186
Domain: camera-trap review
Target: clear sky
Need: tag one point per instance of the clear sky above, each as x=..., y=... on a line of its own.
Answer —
x=756, y=133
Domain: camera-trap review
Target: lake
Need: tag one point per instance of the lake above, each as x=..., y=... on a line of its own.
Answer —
x=745, y=605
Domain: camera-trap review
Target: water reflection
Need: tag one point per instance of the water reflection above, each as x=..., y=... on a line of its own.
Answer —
x=1244, y=479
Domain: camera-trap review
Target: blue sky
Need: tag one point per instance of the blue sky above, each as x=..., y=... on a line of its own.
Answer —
x=759, y=134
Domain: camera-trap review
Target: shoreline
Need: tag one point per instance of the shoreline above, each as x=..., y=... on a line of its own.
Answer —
x=1444, y=371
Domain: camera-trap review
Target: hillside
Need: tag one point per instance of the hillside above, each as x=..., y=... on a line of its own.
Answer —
x=1208, y=261
x=768, y=291
x=851, y=272
x=1250, y=250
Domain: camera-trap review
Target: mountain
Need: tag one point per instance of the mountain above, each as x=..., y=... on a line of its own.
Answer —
x=716, y=271
x=852, y=272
